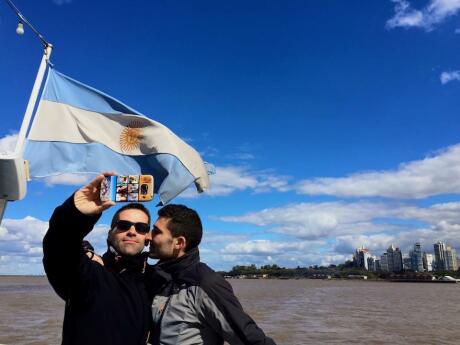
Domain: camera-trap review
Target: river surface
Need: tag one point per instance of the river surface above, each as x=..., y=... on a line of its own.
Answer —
x=290, y=311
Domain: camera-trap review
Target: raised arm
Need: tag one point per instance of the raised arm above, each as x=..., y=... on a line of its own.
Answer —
x=62, y=245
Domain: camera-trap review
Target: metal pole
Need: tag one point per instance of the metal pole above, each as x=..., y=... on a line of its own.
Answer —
x=32, y=100
x=2, y=209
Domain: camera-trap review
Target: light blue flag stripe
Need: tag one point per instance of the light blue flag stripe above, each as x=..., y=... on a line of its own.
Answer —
x=63, y=89
x=171, y=177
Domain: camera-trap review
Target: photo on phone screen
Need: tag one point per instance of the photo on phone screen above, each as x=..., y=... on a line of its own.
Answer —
x=125, y=188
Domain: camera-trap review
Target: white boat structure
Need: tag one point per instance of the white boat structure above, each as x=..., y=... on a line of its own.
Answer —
x=449, y=279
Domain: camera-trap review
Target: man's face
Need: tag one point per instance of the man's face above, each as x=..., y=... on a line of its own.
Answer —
x=162, y=242
x=129, y=242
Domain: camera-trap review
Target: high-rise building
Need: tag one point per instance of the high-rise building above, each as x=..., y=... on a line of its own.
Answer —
x=406, y=262
x=390, y=261
x=439, y=255
x=451, y=259
x=416, y=257
x=360, y=258
x=377, y=264
x=397, y=261
x=394, y=259
x=371, y=263
x=384, y=262
x=428, y=262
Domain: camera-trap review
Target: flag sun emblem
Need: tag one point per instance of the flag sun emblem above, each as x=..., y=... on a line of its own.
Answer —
x=131, y=136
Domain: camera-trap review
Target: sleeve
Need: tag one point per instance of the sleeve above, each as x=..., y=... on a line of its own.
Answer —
x=65, y=263
x=223, y=312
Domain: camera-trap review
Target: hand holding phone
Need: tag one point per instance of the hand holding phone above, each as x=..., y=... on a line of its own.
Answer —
x=126, y=188
x=87, y=199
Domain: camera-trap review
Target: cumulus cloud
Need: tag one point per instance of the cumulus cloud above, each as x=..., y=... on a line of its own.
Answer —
x=433, y=175
x=446, y=77
x=436, y=174
x=335, y=229
x=22, y=237
x=266, y=247
x=378, y=243
x=231, y=179
x=21, y=244
x=214, y=237
x=320, y=220
x=8, y=144
x=434, y=13
x=282, y=253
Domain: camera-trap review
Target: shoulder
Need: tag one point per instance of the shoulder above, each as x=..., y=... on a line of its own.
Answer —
x=202, y=275
x=212, y=282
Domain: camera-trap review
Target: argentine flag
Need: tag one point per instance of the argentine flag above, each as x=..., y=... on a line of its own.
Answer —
x=78, y=129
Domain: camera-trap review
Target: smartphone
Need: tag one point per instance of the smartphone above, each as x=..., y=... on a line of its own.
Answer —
x=126, y=188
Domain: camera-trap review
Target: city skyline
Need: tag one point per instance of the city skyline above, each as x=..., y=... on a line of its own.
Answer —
x=443, y=258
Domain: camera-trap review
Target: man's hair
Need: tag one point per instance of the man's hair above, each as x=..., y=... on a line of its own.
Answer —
x=183, y=221
x=130, y=206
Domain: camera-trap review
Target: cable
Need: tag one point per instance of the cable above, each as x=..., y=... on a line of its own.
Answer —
x=24, y=20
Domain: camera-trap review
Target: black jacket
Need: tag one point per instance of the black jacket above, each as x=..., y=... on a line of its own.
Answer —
x=194, y=305
x=104, y=304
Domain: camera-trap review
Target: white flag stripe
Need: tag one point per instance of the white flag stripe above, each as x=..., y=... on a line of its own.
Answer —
x=62, y=122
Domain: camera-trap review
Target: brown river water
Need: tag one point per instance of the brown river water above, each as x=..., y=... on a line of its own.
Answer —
x=290, y=311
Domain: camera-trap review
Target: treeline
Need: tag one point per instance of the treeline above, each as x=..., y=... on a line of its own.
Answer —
x=335, y=271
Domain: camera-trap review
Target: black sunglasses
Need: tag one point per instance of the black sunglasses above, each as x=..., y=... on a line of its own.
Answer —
x=125, y=225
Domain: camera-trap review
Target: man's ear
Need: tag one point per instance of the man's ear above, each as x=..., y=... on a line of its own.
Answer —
x=109, y=235
x=148, y=238
x=180, y=243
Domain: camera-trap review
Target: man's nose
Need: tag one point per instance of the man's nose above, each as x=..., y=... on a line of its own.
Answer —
x=132, y=231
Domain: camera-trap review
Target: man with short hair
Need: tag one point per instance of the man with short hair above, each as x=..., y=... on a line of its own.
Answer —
x=105, y=304
x=192, y=304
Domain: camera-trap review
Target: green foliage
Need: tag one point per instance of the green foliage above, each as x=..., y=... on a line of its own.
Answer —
x=334, y=271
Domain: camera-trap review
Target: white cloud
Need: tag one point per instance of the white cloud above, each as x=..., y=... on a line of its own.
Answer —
x=21, y=244
x=320, y=220
x=446, y=77
x=213, y=237
x=282, y=253
x=22, y=237
x=268, y=248
x=335, y=229
x=333, y=219
x=8, y=144
x=427, y=18
x=414, y=180
x=231, y=179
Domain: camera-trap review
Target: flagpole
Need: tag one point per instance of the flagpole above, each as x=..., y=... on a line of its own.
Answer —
x=13, y=169
x=32, y=100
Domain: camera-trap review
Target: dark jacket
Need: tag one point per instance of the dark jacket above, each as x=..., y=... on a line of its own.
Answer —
x=195, y=305
x=104, y=304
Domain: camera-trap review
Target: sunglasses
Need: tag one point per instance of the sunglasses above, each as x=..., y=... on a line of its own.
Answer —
x=125, y=225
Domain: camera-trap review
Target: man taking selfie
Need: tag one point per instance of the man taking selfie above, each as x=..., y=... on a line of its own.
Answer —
x=105, y=304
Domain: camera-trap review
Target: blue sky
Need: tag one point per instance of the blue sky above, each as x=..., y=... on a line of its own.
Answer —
x=332, y=124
